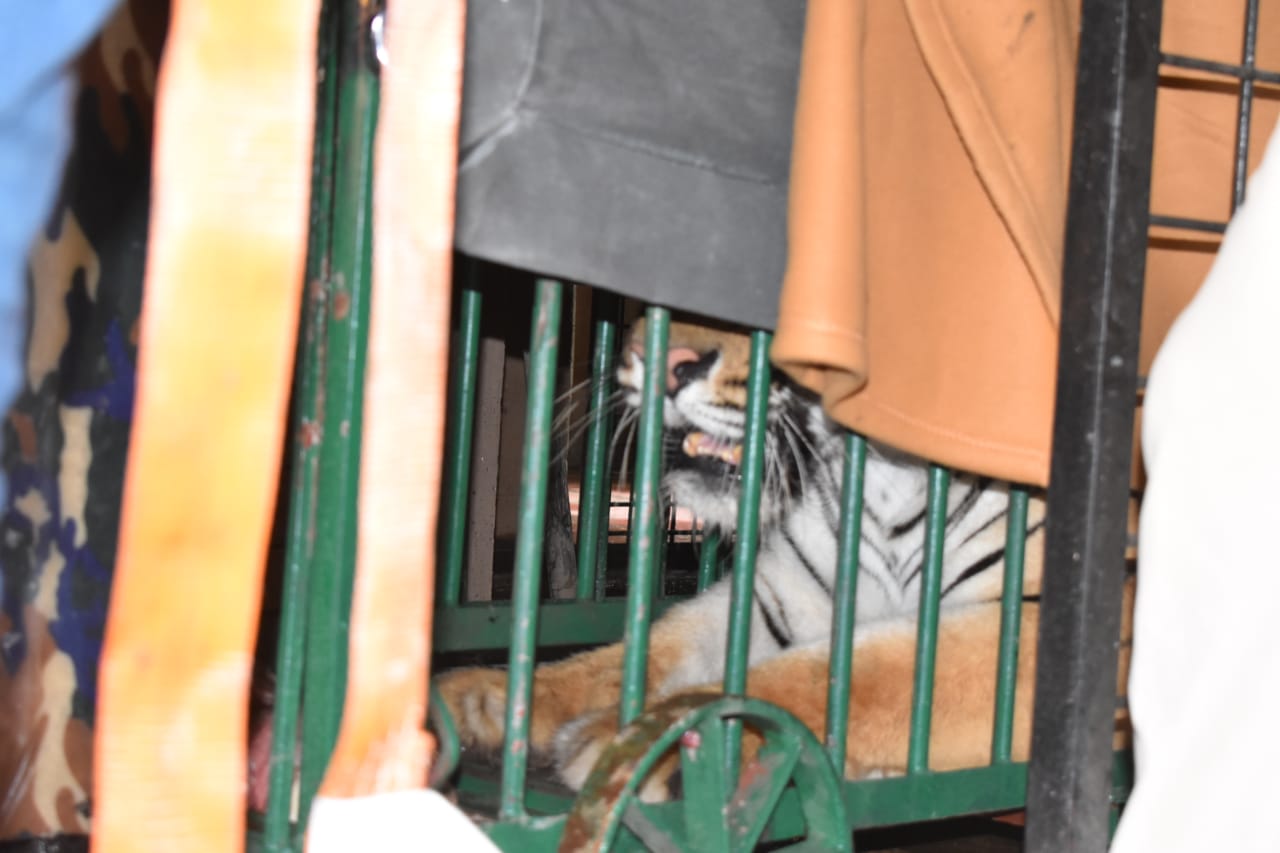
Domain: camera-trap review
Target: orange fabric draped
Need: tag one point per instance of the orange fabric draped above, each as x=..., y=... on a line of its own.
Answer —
x=928, y=201
x=234, y=126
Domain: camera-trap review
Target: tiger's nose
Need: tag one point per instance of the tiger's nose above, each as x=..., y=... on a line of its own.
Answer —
x=684, y=365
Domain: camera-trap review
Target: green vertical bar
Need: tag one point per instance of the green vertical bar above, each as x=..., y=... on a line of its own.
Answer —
x=602, y=548
x=927, y=625
x=845, y=600
x=544, y=339
x=457, y=460
x=1010, y=625
x=450, y=745
x=346, y=293
x=304, y=446
x=748, y=539
x=709, y=559
x=592, y=505
x=665, y=522
x=643, y=547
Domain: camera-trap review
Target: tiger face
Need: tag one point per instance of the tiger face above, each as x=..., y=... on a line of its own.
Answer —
x=704, y=421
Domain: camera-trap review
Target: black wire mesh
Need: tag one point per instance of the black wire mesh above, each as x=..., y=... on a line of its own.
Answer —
x=1247, y=74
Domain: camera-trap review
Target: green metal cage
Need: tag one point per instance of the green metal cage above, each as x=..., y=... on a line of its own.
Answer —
x=801, y=795
x=529, y=818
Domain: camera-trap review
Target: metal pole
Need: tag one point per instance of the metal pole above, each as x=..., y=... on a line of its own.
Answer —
x=1105, y=258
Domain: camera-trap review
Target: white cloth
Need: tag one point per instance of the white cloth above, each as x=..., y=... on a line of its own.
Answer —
x=1204, y=688
x=401, y=820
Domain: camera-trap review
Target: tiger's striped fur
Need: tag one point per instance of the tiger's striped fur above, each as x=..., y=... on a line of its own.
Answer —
x=574, y=707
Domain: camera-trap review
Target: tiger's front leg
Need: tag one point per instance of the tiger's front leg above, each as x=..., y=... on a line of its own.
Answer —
x=477, y=697
x=686, y=647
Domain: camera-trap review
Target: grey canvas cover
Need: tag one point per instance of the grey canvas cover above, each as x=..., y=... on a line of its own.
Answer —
x=638, y=145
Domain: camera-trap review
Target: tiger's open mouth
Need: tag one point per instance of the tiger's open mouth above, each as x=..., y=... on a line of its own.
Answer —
x=700, y=445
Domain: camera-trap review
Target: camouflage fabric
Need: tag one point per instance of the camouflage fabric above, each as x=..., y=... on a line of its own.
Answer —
x=65, y=437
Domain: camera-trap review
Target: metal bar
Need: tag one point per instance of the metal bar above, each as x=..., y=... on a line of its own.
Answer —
x=346, y=299
x=487, y=626
x=1226, y=69
x=602, y=540
x=593, y=518
x=664, y=541
x=1186, y=224
x=457, y=459
x=543, y=342
x=1015, y=549
x=927, y=620
x=709, y=559
x=845, y=601
x=1105, y=256
x=643, y=547
x=305, y=449
x=747, y=541
x=1244, y=114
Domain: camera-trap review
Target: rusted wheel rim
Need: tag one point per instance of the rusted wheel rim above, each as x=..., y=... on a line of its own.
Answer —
x=712, y=815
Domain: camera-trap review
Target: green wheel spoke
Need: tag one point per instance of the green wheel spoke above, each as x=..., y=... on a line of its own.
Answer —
x=705, y=788
x=607, y=814
x=764, y=780
x=653, y=836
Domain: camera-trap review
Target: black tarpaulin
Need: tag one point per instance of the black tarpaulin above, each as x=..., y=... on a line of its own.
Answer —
x=638, y=145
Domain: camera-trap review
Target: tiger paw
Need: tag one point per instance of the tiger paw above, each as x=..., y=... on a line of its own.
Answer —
x=477, y=701
x=579, y=744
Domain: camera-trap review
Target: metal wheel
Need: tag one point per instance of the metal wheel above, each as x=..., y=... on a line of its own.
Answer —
x=713, y=815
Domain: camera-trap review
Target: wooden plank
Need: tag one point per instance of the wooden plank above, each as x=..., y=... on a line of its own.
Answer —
x=486, y=442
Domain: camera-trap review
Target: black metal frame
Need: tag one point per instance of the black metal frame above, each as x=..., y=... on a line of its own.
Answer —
x=1069, y=781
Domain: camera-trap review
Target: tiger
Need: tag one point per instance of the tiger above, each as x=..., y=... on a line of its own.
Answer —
x=574, y=709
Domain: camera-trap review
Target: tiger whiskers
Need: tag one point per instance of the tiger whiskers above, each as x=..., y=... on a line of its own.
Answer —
x=788, y=422
x=571, y=428
x=777, y=485
x=627, y=425
x=787, y=431
x=568, y=408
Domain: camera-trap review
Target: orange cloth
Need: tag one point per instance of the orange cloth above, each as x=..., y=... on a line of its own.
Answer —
x=235, y=117
x=928, y=199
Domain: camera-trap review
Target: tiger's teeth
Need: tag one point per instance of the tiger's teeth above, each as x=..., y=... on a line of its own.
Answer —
x=701, y=444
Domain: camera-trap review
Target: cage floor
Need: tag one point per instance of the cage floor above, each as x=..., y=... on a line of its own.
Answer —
x=546, y=795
